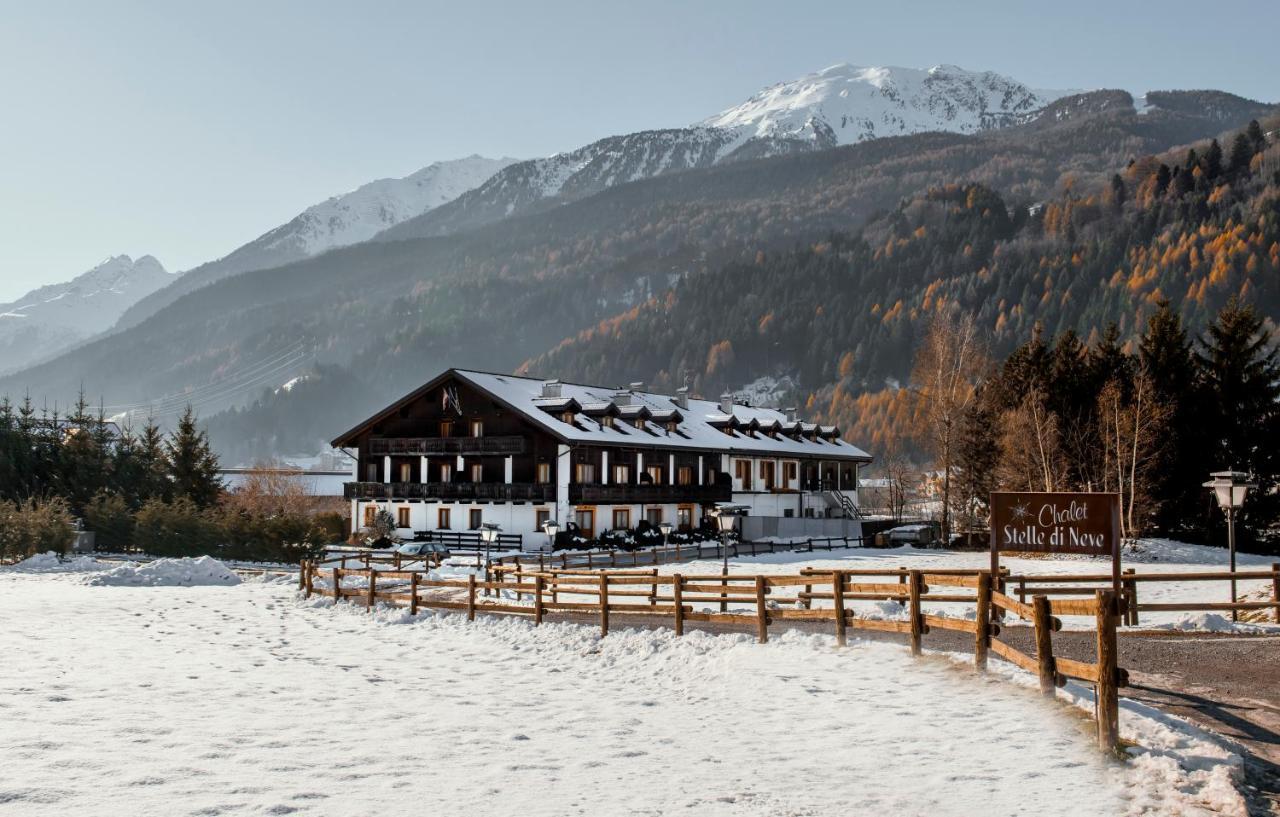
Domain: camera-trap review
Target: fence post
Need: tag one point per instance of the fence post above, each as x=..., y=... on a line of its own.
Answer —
x=1131, y=598
x=837, y=596
x=805, y=601
x=724, y=589
x=413, y=593
x=653, y=587
x=1107, y=690
x=604, y=604
x=917, y=621
x=471, y=596
x=337, y=587
x=373, y=588
x=982, y=641
x=677, y=598
x=762, y=613
x=1275, y=588
x=302, y=575
x=902, y=579
x=1044, y=644
x=537, y=599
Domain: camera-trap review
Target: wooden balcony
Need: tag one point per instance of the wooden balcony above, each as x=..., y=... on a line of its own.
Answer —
x=464, y=491
x=648, y=494
x=430, y=446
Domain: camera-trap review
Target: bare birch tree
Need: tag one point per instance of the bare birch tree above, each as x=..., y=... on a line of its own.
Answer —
x=1031, y=455
x=949, y=363
x=1130, y=431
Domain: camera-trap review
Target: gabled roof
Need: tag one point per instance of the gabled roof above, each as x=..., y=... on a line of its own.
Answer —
x=700, y=427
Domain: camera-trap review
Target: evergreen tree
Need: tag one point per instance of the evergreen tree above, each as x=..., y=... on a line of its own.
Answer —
x=1241, y=154
x=1213, y=161
x=1256, y=137
x=1166, y=356
x=193, y=465
x=1242, y=375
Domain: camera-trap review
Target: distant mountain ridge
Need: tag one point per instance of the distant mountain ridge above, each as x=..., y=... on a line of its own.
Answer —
x=55, y=317
x=339, y=221
x=845, y=104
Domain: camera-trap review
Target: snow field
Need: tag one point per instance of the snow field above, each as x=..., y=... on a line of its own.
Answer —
x=248, y=700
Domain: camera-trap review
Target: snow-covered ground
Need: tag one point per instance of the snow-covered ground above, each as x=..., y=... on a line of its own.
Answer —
x=246, y=700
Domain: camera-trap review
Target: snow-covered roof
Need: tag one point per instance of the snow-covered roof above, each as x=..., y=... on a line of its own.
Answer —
x=694, y=426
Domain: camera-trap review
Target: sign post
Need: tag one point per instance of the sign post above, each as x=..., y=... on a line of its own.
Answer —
x=1067, y=522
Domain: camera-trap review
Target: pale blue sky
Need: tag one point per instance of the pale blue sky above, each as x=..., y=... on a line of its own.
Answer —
x=183, y=132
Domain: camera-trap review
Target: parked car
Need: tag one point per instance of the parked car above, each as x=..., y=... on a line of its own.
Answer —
x=916, y=535
x=424, y=549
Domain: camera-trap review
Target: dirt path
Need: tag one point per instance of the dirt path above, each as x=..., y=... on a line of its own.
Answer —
x=1229, y=684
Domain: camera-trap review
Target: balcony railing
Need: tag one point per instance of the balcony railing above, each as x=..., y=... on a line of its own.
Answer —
x=523, y=491
x=606, y=494
x=426, y=446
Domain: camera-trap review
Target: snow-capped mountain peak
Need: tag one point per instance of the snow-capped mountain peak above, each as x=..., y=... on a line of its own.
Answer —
x=56, y=316
x=843, y=104
x=371, y=208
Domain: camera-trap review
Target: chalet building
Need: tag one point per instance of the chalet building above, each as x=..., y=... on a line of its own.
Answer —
x=471, y=447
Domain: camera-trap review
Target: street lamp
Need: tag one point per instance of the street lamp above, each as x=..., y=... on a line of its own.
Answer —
x=666, y=528
x=489, y=533
x=727, y=517
x=1230, y=489
x=551, y=527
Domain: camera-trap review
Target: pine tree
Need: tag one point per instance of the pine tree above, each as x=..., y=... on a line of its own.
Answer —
x=192, y=463
x=1256, y=137
x=1241, y=371
x=1241, y=154
x=1213, y=161
x=1166, y=356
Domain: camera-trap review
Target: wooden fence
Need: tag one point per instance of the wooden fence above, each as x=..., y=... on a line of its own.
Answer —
x=1131, y=580
x=819, y=595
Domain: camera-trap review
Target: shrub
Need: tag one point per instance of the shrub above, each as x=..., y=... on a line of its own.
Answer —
x=177, y=528
x=35, y=527
x=111, y=520
x=329, y=527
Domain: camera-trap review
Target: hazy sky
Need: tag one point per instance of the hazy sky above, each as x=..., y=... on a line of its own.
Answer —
x=145, y=128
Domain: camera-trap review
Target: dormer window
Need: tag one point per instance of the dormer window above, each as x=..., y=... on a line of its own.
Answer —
x=567, y=417
x=606, y=421
x=673, y=427
x=640, y=423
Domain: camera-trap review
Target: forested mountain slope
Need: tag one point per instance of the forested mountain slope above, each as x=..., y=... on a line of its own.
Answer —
x=1196, y=227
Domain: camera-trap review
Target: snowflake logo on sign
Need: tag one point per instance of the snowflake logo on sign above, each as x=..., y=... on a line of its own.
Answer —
x=1020, y=512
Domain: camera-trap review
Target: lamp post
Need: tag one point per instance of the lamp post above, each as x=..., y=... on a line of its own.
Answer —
x=1230, y=489
x=551, y=527
x=727, y=517
x=666, y=529
x=489, y=533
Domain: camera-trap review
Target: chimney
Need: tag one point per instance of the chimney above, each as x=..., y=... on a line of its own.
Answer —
x=637, y=386
x=726, y=403
x=793, y=414
x=551, y=388
x=622, y=397
x=682, y=398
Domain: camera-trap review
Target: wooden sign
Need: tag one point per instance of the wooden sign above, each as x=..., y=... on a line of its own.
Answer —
x=1041, y=522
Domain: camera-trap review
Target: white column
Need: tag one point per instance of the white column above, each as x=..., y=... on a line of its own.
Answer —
x=506, y=470
x=386, y=468
x=462, y=465
x=639, y=466
x=355, y=518
x=702, y=475
x=424, y=468
x=563, y=509
x=671, y=469
x=604, y=467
